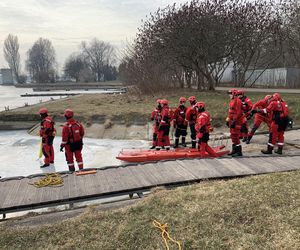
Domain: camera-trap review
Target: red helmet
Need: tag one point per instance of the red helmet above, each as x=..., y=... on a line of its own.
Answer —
x=240, y=92
x=276, y=97
x=267, y=97
x=233, y=92
x=69, y=113
x=164, y=102
x=192, y=98
x=158, y=101
x=43, y=111
x=182, y=99
x=200, y=105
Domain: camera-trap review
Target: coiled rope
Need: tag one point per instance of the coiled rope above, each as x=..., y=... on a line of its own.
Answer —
x=165, y=234
x=52, y=179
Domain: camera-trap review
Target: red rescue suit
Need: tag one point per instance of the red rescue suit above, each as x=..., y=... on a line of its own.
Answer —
x=235, y=119
x=156, y=117
x=259, y=118
x=180, y=123
x=163, y=139
x=191, y=117
x=47, y=132
x=72, y=135
x=246, y=107
x=279, y=122
x=203, y=127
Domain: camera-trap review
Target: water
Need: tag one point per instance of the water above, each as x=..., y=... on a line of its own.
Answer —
x=19, y=153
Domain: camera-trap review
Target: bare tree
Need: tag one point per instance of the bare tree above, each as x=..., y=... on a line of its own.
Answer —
x=12, y=56
x=75, y=66
x=41, y=61
x=98, y=54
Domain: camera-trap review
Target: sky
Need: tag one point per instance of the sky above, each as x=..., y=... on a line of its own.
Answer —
x=68, y=22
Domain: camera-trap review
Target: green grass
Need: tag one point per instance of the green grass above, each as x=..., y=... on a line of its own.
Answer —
x=130, y=108
x=259, y=212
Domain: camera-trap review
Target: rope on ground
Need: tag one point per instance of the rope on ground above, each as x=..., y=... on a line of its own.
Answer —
x=165, y=235
x=52, y=180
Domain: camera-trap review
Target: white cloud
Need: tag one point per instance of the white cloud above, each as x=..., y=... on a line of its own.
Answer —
x=67, y=22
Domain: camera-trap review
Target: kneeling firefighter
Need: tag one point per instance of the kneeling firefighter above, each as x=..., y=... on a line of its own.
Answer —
x=203, y=128
x=72, y=135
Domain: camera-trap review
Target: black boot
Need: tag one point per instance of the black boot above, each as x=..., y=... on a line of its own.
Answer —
x=153, y=147
x=183, y=142
x=245, y=139
x=268, y=151
x=279, y=150
x=193, y=144
x=238, y=151
x=176, y=143
x=45, y=165
x=249, y=139
x=233, y=150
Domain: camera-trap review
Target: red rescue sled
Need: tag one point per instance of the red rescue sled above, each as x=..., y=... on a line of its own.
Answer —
x=144, y=155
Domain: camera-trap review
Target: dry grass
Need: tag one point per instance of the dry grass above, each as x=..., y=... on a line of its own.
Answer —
x=260, y=212
x=132, y=108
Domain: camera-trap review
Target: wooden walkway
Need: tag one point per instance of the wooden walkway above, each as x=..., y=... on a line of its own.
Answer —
x=17, y=195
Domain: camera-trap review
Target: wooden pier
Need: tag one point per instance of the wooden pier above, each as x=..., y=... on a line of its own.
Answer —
x=18, y=195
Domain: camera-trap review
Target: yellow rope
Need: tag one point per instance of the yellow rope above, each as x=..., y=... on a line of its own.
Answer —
x=165, y=235
x=52, y=179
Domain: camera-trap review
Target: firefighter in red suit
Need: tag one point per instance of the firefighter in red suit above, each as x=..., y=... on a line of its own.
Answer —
x=47, y=132
x=280, y=112
x=180, y=123
x=72, y=135
x=234, y=122
x=163, y=139
x=203, y=128
x=156, y=117
x=191, y=117
x=259, y=118
x=246, y=107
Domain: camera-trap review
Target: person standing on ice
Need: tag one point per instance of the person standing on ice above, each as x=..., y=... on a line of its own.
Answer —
x=179, y=122
x=47, y=132
x=156, y=117
x=72, y=135
x=203, y=128
x=191, y=117
x=163, y=139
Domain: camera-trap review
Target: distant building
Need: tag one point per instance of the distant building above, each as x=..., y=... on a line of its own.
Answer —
x=6, y=77
x=277, y=77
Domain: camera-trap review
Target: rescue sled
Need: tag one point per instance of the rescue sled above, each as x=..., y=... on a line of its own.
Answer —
x=144, y=155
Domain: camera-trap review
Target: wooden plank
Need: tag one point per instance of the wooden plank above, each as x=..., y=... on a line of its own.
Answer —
x=180, y=171
x=142, y=175
x=283, y=164
x=5, y=187
x=236, y=167
x=12, y=196
x=256, y=165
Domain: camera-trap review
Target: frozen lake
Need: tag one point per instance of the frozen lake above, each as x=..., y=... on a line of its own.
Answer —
x=19, y=153
x=10, y=96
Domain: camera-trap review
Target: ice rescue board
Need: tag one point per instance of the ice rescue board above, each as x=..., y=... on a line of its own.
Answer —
x=144, y=155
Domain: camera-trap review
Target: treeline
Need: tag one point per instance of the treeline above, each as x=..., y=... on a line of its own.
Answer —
x=94, y=62
x=192, y=45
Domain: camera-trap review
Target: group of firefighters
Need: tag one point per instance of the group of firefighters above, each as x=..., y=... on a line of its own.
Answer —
x=72, y=134
x=271, y=110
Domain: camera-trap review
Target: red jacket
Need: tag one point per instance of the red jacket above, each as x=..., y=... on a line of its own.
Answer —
x=203, y=124
x=72, y=131
x=47, y=127
x=279, y=109
x=261, y=104
x=156, y=116
x=235, y=112
x=246, y=104
x=165, y=116
x=191, y=115
x=179, y=116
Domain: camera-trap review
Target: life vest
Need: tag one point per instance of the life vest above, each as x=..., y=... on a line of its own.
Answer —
x=74, y=132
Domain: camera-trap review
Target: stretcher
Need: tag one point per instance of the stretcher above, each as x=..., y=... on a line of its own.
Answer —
x=144, y=155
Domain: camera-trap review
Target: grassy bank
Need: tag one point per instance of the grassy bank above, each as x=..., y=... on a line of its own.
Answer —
x=260, y=212
x=132, y=108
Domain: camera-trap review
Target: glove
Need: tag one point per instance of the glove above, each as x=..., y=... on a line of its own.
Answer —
x=227, y=124
x=254, y=111
x=61, y=149
x=233, y=124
